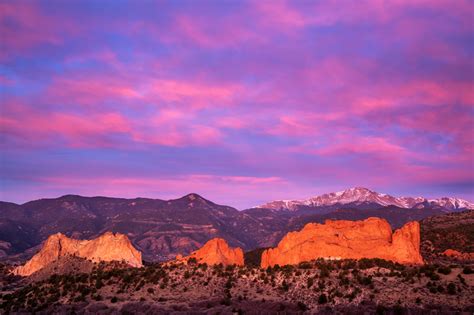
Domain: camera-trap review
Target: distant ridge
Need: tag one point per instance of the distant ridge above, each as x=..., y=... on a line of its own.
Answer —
x=357, y=196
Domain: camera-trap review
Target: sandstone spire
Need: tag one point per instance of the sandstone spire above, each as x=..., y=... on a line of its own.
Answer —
x=216, y=251
x=370, y=238
x=107, y=247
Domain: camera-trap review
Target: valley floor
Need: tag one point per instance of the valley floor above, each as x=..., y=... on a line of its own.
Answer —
x=347, y=286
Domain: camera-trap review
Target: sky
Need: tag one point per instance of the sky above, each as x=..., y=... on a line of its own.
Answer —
x=242, y=102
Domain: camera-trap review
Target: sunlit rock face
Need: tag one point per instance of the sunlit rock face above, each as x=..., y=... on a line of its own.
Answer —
x=107, y=247
x=370, y=238
x=216, y=251
x=458, y=255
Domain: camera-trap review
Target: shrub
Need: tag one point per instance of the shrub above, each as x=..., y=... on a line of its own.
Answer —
x=309, y=282
x=365, y=280
x=323, y=299
x=440, y=289
x=366, y=263
x=434, y=277
x=304, y=265
x=451, y=288
x=344, y=281
x=114, y=300
x=99, y=284
x=324, y=273
x=302, y=306
x=228, y=284
x=226, y=301
x=445, y=270
x=203, y=266
x=380, y=310
x=467, y=270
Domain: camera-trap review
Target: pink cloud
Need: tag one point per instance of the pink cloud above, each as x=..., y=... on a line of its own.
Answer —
x=94, y=129
x=28, y=18
x=199, y=95
x=294, y=126
x=89, y=91
x=105, y=56
x=233, y=122
x=19, y=27
x=96, y=89
x=78, y=131
x=348, y=144
x=280, y=13
x=196, y=30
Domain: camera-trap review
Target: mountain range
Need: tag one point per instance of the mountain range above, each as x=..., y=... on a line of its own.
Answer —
x=161, y=229
x=360, y=196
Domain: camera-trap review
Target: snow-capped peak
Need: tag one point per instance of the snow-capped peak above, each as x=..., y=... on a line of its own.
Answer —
x=362, y=195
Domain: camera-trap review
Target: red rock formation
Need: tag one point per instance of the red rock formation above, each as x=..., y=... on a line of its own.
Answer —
x=458, y=255
x=107, y=247
x=371, y=238
x=216, y=251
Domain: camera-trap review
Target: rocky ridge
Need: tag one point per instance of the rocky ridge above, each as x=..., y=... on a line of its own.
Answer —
x=107, y=247
x=370, y=238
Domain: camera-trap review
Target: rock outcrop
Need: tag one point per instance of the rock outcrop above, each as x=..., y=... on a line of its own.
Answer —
x=458, y=255
x=370, y=238
x=107, y=247
x=214, y=252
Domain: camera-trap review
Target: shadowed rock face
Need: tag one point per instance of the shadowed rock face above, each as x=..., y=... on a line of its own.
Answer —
x=370, y=238
x=107, y=247
x=217, y=251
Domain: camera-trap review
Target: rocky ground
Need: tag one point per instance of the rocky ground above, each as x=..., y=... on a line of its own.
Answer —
x=319, y=286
